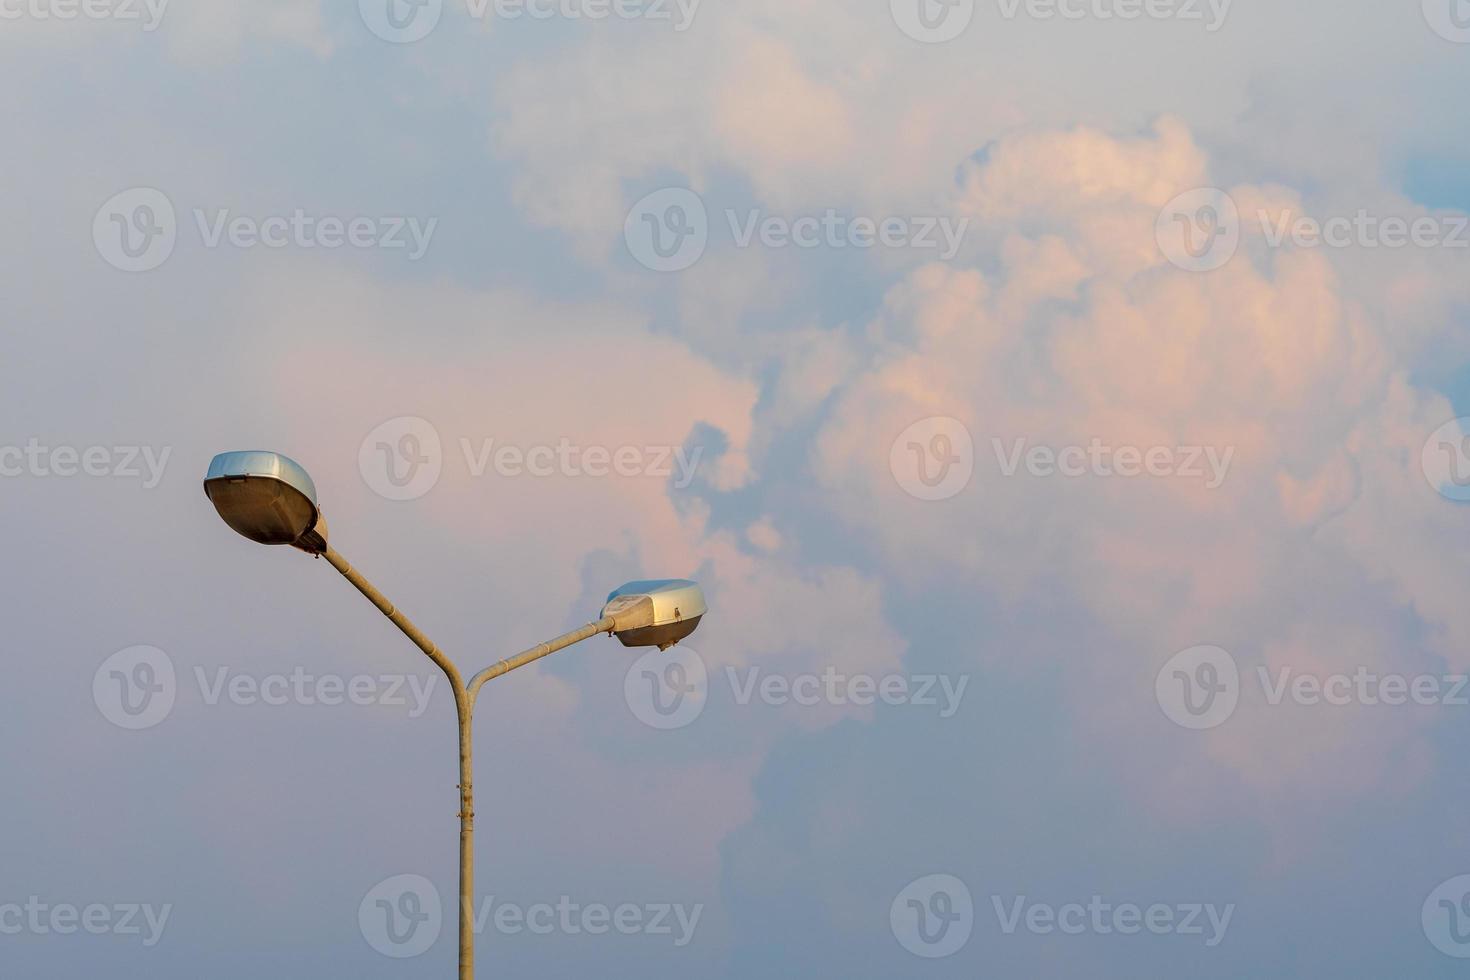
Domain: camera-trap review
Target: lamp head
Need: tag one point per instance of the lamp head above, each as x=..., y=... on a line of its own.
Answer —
x=655, y=614
x=267, y=497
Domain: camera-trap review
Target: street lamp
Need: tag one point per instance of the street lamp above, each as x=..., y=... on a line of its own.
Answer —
x=271, y=499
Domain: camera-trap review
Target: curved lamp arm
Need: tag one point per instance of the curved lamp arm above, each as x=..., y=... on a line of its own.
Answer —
x=398, y=619
x=468, y=691
x=271, y=500
x=603, y=625
x=464, y=702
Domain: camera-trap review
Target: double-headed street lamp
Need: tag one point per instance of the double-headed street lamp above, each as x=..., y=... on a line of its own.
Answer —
x=270, y=499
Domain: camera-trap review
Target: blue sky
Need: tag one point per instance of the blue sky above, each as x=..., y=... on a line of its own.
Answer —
x=894, y=468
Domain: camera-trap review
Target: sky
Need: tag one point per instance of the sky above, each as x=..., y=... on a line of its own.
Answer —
x=1064, y=405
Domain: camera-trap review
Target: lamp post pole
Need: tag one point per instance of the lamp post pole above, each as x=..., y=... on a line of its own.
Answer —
x=465, y=697
x=270, y=499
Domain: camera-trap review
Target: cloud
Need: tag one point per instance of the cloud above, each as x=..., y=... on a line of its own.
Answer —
x=1086, y=334
x=526, y=373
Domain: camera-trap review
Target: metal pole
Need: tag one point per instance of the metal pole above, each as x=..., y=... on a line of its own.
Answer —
x=398, y=619
x=604, y=625
x=464, y=706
